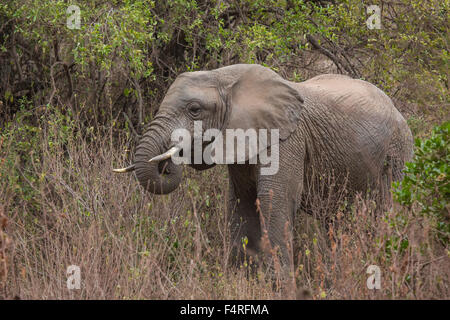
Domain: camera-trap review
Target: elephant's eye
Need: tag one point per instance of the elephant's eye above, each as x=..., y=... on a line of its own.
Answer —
x=194, y=109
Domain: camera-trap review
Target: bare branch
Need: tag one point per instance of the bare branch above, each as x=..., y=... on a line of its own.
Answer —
x=131, y=125
x=324, y=51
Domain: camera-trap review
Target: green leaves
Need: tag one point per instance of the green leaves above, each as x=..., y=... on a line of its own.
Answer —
x=426, y=182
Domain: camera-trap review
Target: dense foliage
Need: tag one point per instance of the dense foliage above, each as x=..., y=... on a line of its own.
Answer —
x=126, y=53
x=427, y=179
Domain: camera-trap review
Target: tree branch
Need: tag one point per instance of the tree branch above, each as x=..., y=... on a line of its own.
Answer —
x=131, y=125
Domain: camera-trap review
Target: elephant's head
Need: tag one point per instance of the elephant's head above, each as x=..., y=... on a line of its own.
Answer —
x=238, y=96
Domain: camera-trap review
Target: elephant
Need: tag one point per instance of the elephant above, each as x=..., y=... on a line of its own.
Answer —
x=329, y=123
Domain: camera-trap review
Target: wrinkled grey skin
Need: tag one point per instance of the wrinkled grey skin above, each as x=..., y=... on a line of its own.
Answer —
x=330, y=123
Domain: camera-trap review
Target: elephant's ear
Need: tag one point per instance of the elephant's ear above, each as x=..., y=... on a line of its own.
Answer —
x=261, y=99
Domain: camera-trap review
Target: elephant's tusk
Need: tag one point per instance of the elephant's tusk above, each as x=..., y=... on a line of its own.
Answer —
x=123, y=170
x=166, y=155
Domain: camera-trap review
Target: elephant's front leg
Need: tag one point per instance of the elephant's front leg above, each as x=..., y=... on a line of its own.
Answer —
x=245, y=230
x=278, y=200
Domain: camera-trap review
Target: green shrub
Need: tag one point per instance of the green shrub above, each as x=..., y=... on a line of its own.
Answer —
x=426, y=180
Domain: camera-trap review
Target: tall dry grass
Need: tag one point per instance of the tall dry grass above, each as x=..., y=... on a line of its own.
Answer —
x=132, y=245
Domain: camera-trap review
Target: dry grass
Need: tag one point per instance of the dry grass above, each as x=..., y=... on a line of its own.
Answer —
x=132, y=245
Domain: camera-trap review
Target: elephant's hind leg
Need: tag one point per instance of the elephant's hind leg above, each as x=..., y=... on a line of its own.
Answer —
x=400, y=150
x=397, y=154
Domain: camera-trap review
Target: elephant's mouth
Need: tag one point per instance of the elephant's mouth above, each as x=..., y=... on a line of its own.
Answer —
x=202, y=165
x=164, y=167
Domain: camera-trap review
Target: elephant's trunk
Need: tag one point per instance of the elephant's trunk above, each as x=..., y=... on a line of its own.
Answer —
x=159, y=177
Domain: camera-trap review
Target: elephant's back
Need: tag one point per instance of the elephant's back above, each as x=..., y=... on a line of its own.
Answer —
x=354, y=97
x=356, y=120
x=339, y=98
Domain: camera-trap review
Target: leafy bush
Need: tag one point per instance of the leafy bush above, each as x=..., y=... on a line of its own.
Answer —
x=426, y=179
